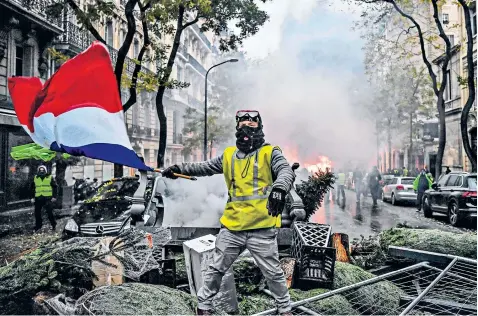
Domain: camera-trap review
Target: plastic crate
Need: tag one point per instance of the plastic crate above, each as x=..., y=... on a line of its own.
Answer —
x=308, y=234
x=316, y=268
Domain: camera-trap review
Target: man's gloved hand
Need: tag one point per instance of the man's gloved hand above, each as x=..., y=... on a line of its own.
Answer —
x=276, y=202
x=169, y=172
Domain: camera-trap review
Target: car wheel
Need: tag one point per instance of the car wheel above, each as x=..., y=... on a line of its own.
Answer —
x=453, y=216
x=394, y=200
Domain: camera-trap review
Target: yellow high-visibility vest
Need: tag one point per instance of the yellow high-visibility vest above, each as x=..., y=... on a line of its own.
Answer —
x=249, y=182
x=43, y=186
x=341, y=179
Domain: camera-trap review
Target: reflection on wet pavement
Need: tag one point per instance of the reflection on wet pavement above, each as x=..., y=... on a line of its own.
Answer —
x=357, y=219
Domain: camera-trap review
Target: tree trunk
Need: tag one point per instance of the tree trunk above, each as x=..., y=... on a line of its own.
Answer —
x=163, y=127
x=163, y=131
x=60, y=180
x=389, y=143
x=441, y=135
x=470, y=152
x=118, y=171
x=410, y=149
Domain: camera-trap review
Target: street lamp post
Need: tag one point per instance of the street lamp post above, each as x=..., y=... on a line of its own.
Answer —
x=233, y=60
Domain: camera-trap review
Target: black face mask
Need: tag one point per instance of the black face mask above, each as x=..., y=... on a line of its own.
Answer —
x=249, y=138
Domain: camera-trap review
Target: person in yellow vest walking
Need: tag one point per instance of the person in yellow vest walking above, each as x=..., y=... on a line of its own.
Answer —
x=44, y=190
x=258, y=178
x=340, y=180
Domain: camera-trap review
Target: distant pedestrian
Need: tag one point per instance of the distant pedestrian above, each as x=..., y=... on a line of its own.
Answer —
x=404, y=172
x=357, y=179
x=44, y=191
x=420, y=185
x=447, y=171
x=374, y=179
x=340, y=180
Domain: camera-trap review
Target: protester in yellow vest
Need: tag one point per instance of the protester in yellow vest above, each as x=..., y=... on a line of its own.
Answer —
x=44, y=190
x=258, y=178
x=404, y=172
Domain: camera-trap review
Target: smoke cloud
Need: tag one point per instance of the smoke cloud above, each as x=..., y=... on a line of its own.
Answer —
x=195, y=203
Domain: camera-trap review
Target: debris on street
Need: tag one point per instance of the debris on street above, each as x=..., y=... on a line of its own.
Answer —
x=135, y=299
x=434, y=240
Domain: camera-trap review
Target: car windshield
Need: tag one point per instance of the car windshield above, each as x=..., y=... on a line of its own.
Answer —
x=407, y=180
x=115, y=188
x=472, y=183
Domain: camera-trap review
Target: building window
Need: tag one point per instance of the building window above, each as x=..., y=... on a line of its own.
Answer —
x=180, y=75
x=473, y=19
x=109, y=33
x=147, y=157
x=19, y=173
x=23, y=61
x=19, y=61
x=451, y=37
x=448, y=89
x=135, y=49
x=445, y=18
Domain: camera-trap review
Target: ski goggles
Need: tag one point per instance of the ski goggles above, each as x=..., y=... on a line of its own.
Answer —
x=242, y=115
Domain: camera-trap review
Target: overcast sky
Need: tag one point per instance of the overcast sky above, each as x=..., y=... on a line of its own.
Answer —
x=331, y=19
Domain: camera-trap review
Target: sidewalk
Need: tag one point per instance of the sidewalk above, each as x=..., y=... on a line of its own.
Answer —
x=21, y=220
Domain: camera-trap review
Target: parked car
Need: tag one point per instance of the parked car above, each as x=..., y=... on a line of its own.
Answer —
x=453, y=195
x=107, y=212
x=386, y=179
x=400, y=189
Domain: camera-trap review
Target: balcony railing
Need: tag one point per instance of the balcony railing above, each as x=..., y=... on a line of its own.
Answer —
x=177, y=138
x=196, y=64
x=142, y=131
x=202, y=36
x=41, y=8
x=195, y=103
x=81, y=39
x=183, y=50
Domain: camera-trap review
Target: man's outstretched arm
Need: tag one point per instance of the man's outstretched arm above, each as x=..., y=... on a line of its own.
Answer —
x=203, y=168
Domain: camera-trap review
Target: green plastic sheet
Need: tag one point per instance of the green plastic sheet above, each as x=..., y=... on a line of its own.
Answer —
x=34, y=151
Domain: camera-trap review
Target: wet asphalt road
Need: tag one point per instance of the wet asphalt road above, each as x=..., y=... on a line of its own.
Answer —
x=360, y=219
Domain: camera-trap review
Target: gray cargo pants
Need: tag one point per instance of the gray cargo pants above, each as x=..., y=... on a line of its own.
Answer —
x=262, y=244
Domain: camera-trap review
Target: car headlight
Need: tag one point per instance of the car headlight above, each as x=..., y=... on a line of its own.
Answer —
x=71, y=225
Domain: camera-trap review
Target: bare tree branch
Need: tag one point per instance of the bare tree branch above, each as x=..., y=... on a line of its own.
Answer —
x=123, y=51
x=132, y=90
x=471, y=86
x=85, y=20
x=191, y=22
x=422, y=44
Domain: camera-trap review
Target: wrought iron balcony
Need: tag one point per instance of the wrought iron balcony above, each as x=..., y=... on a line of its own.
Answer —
x=177, y=138
x=197, y=65
x=44, y=9
x=183, y=50
x=202, y=36
x=195, y=103
x=142, y=131
x=80, y=39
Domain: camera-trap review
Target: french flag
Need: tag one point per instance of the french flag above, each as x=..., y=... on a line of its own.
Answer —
x=78, y=111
